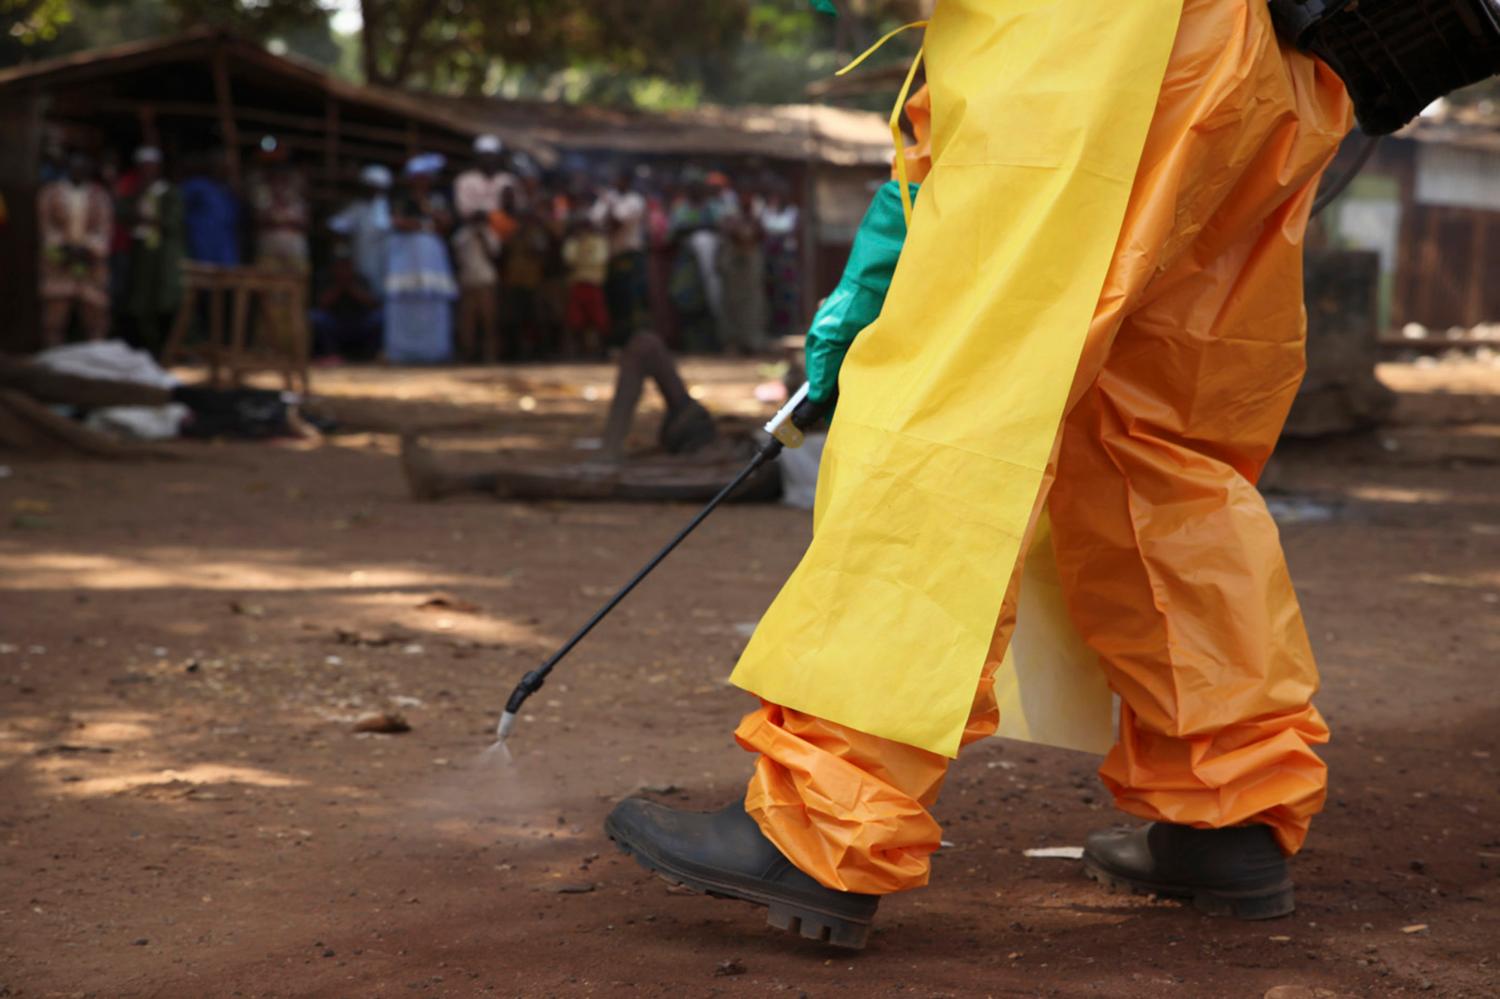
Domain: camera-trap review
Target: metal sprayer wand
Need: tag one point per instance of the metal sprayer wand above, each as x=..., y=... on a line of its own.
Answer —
x=785, y=429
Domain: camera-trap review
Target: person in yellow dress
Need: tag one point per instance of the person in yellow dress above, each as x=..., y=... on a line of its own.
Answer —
x=1092, y=321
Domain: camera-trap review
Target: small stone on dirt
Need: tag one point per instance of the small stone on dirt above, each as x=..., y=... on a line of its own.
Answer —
x=69, y=749
x=385, y=723
x=446, y=602
x=372, y=639
x=1415, y=928
x=725, y=969
x=139, y=942
x=578, y=888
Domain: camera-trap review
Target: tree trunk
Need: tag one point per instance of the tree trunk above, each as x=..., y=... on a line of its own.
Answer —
x=369, y=38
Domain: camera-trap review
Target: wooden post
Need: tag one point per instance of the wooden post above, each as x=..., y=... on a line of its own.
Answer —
x=1474, y=305
x=21, y=118
x=1428, y=266
x=224, y=97
x=811, y=236
x=150, y=134
x=811, y=239
x=218, y=350
x=331, y=139
x=1403, y=162
x=239, y=325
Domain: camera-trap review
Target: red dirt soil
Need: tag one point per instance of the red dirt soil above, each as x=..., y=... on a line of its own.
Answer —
x=185, y=809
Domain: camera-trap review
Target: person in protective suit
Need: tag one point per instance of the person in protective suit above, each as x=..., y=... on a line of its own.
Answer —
x=1091, y=320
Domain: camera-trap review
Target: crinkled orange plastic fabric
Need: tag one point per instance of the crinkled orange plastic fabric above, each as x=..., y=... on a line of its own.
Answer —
x=919, y=154
x=950, y=400
x=1171, y=564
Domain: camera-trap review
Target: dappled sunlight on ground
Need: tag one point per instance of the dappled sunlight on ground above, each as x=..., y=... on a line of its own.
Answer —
x=1488, y=582
x=202, y=773
x=188, y=650
x=1398, y=494
x=168, y=569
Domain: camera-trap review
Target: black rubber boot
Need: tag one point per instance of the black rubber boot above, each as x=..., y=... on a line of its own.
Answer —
x=725, y=854
x=1238, y=872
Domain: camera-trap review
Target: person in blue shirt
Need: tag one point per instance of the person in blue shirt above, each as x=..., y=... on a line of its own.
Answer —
x=210, y=213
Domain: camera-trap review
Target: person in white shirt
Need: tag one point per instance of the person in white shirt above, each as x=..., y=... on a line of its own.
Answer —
x=479, y=194
x=366, y=224
x=477, y=191
x=622, y=211
x=76, y=219
x=782, y=223
x=478, y=332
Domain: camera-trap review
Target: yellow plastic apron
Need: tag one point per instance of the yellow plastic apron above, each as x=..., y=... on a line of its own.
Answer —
x=950, y=402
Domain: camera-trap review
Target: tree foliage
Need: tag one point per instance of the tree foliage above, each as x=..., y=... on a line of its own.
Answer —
x=34, y=22
x=607, y=51
x=462, y=44
x=615, y=51
x=31, y=29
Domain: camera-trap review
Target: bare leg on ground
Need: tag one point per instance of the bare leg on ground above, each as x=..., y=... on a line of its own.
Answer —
x=687, y=425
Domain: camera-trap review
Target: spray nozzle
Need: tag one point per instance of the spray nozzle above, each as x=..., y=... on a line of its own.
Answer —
x=530, y=684
x=799, y=413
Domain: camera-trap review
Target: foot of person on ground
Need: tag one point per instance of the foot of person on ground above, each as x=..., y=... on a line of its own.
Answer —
x=1238, y=872
x=725, y=854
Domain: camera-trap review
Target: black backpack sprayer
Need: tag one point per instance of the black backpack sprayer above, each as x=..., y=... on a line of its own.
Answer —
x=1396, y=56
x=785, y=430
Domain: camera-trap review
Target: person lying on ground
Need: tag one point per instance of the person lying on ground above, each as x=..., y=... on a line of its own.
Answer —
x=32, y=393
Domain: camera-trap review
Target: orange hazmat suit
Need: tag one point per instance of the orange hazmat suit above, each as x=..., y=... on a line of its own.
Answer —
x=1097, y=320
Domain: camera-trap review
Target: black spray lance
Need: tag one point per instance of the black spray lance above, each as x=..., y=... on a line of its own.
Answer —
x=786, y=430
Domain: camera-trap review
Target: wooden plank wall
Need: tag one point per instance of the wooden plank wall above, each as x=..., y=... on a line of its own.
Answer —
x=20, y=154
x=1450, y=267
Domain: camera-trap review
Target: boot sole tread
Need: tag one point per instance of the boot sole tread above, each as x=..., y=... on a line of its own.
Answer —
x=782, y=914
x=1261, y=903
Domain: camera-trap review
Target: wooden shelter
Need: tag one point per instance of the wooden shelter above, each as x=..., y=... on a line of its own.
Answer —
x=201, y=90
x=208, y=89
x=1428, y=204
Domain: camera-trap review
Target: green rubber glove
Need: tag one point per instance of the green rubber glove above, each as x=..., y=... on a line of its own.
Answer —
x=860, y=294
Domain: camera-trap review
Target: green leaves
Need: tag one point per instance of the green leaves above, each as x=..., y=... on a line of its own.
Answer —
x=33, y=21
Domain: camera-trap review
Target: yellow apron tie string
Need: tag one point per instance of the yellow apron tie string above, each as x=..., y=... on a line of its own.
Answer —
x=897, y=139
x=878, y=45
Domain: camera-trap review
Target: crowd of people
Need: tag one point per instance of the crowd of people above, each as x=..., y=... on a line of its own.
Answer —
x=505, y=263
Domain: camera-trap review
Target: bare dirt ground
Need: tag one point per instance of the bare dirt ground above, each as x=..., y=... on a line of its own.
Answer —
x=185, y=809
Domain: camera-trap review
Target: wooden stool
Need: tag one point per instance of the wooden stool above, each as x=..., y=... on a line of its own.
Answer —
x=231, y=352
